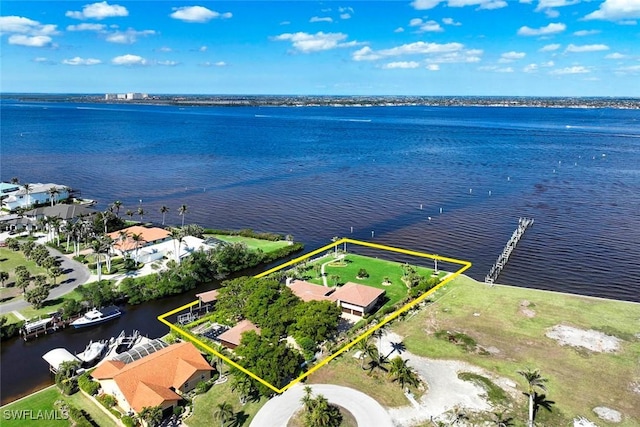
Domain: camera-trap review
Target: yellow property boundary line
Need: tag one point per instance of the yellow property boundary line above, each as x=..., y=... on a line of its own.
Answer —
x=465, y=266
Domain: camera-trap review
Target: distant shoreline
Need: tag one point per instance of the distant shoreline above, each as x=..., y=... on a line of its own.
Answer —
x=339, y=101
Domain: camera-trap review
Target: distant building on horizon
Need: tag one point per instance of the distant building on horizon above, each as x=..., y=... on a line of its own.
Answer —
x=129, y=96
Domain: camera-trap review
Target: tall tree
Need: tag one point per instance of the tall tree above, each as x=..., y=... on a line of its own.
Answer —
x=137, y=239
x=152, y=415
x=402, y=373
x=116, y=206
x=4, y=276
x=129, y=213
x=27, y=189
x=182, y=211
x=37, y=296
x=534, y=381
x=223, y=413
x=163, y=211
x=53, y=192
x=367, y=349
x=141, y=212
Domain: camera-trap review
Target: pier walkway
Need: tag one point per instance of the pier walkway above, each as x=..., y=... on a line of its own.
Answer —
x=496, y=269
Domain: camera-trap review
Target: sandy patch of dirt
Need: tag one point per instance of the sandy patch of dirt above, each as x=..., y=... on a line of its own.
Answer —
x=525, y=309
x=608, y=414
x=583, y=422
x=591, y=340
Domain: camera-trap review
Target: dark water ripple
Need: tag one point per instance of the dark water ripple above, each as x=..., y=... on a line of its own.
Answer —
x=317, y=172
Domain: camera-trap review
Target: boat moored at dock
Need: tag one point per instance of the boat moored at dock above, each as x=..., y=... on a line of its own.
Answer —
x=97, y=316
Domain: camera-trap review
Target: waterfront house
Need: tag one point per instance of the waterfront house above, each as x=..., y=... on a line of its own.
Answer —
x=231, y=337
x=352, y=298
x=158, y=379
x=123, y=243
x=39, y=194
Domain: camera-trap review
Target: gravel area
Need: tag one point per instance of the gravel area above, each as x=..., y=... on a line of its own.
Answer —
x=591, y=340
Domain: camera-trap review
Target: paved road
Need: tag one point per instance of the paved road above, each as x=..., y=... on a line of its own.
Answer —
x=76, y=274
x=366, y=411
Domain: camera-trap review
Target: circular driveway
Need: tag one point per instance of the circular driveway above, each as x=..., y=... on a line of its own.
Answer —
x=367, y=412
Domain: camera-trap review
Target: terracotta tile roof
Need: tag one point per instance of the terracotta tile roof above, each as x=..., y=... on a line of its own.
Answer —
x=157, y=372
x=309, y=292
x=360, y=295
x=148, y=234
x=107, y=369
x=233, y=335
x=208, y=296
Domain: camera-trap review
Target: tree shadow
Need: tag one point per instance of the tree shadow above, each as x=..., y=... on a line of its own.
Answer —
x=239, y=419
x=396, y=347
x=540, y=401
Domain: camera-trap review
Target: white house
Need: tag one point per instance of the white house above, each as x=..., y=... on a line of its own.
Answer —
x=38, y=194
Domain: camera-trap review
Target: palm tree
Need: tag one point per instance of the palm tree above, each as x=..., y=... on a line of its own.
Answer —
x=163, y=211
x=116, y=206
x=223, y=413
x=307, y=400
x=56, y=223
x=378, y=363
x=177, y=235
x=534, y=381
x=141, y=213
x=129, y=213
x=503, y=420
x=151, y=414
x=402, y=373
x=53, y=191
x=27, y=189
x=15, y=180
x=368, y=349
x=379, y=333
x=137, y=239
x=182, y=212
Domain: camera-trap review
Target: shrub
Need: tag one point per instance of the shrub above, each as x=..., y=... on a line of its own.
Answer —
x=115, y=413
x=178, y=410
x=87, y=385
x=107, y=400
x=202, y=387
x=128, y=421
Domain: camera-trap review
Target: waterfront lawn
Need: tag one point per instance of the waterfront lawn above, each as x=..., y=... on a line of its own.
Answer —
x=11, y=318
x=40, y=401
x=252, y=244
x=204, y=406
x=377, y=268
x=495, y=317
x=50, y=306
x=80, y=401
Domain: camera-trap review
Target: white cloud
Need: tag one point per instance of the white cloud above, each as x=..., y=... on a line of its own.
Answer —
x=40, y=59
x=439, y=53
x=345, y=16
x=220, y=64
x=496, y=69
x=26, y=26
x=616, y=10
x=450, y=21
x=129, y=59
x=433, y=67
x=399, y=30
x=550, y=47
x=615, y=55
x=576, y=69
x=98, y=11
x=81, y=61
x=129, y=36
x=552, y=28
x=629, y=69
x=305, y=42
x=203, y=48
x=320, y=19
x=165, y=49
x=168, y=63
x=86, y=27
x=545, y=4
x=31, y=41
x=425, y=27
x=531, y=68
x=511, y=56
x=548, y=64
x=586, y=48
x=551, y=13
x=197, y=14
x=401, y=64
x=583, y=33
x=482, y=4
x=345, y=9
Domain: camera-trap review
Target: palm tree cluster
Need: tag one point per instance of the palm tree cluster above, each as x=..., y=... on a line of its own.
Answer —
x=318, y=412
x=115, y=206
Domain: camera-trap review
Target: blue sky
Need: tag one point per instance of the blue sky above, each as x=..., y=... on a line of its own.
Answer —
x=356, y=47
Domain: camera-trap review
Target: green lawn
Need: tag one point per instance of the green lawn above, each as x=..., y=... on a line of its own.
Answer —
x=205, y=404
x=377, y=268
x=50, y=306
x=79, y=400
x=264, y=245
x=11, y=318
x=494, y=317
x=9, y=260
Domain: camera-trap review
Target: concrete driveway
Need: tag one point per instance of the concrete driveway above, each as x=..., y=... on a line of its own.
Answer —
x=367, y=412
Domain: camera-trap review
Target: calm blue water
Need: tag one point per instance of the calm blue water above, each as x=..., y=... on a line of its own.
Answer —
x=317, y=172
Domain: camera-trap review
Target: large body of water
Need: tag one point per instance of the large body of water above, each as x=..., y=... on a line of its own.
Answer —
x=319, y=172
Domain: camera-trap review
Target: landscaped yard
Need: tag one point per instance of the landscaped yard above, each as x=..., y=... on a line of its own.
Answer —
x=264, y=245
x=378, y=270
x=511, y=324
x=44, y=401
x=50, y=306
x=205, y=406
x=9, y=260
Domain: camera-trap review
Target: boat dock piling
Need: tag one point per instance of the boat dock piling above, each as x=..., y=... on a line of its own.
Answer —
x=32, y=329
x=496, y=269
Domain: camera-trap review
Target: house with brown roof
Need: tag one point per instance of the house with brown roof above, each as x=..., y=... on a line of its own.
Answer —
x=309, y=291
x=158, y=379
x=231, y=337
x=357, y=299
x=123, y=239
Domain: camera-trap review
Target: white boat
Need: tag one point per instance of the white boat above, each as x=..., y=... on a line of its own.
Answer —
x=93, y=351
x=36, y=325
x=95, y=316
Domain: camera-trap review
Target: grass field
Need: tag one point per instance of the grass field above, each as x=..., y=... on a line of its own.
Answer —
x=579, y=379
x=205, y=404
x=50, y=306
x=264, y=245
x=9, y=260
x=377, y=269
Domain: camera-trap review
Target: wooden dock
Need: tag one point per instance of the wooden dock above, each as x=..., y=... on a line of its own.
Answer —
x=54, y=323
x=496, y=269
